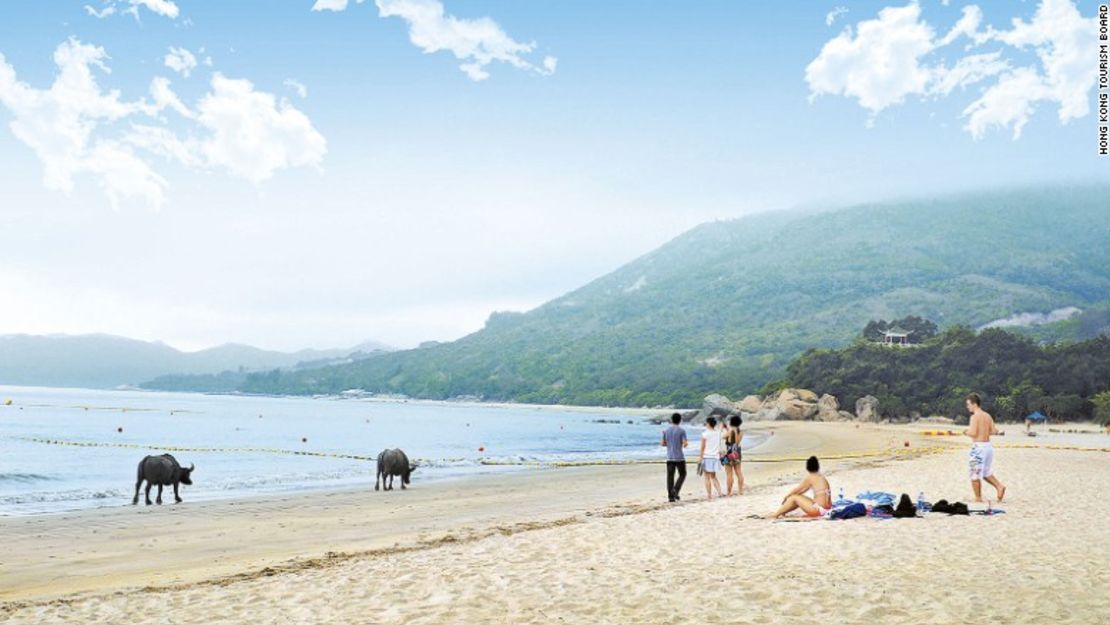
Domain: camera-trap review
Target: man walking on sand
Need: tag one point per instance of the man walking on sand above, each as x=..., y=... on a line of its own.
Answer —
x=674, y=439
x=980, y=428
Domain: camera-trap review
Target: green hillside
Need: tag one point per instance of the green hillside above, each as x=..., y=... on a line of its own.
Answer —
x=727, y=305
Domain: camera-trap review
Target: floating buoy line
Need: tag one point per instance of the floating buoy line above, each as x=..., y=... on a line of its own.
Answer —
x=891, y=452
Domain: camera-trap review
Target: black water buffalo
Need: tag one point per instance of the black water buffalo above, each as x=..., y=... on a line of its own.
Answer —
x=393, y=462
x=161, y=470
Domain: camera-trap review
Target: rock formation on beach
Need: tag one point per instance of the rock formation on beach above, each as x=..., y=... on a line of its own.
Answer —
x=790, y=404
x=867, y=409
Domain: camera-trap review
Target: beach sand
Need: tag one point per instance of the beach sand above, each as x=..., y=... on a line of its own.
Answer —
x=593, y=545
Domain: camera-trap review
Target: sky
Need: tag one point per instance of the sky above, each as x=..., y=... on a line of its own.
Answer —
x=316, y=173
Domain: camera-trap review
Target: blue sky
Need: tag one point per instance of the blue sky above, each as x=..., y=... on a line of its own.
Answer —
x=402, y=200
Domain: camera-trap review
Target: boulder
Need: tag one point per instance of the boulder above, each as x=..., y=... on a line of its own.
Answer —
x=794, y=404
x=717, y=406
x=828, y=408
x=867, y=409
x=751, y=404
x=766, y=414
x=805, y=395
x=845, y=415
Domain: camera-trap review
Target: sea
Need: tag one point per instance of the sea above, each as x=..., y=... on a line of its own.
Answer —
x=64, y=449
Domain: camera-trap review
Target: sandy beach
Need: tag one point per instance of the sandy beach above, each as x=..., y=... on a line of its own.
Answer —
x=595, y=544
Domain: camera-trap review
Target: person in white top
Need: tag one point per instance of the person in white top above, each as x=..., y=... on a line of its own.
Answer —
x=708, y=459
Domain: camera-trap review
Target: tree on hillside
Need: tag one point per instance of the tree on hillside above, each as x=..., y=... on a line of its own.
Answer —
x=1014, y=374
x=1102, y=407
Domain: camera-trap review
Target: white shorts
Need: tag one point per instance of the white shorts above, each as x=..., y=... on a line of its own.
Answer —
x=710, y=465
x=980, y=460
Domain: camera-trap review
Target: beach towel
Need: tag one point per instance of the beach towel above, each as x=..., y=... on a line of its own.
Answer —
x=876, y=498
x=882, y=512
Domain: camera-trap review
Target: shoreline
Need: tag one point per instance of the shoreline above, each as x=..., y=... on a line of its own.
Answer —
x=104, y=550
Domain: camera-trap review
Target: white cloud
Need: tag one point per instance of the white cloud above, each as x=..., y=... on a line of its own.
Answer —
x=165, y=8
x=59, y=123
x=164, y=97
x=897, y=55
x=296, y=86
x=1065, y=43
x=968, y=70
x=878, y=64
x=1009, y=103
x=330, y=5
x=967, y=26
x=76, y=128
x=831, y=16
x=181, y=61
x=248, y=133
x=477, y=42
x=252, y=134
x=101, y=13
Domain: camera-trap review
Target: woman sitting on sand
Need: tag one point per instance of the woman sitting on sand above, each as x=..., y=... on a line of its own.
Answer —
x=732, y=456
x=822, y=493
x=707, y=457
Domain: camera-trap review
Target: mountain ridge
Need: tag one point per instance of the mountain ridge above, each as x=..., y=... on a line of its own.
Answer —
x=100, y=360
x=726, y=305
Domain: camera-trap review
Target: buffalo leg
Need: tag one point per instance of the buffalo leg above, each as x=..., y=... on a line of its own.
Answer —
x=377, y=478
x=402, y=483
x=148, y=485
x=137, y=485
x=390, y=487
x=176, y=497
x=159, y=499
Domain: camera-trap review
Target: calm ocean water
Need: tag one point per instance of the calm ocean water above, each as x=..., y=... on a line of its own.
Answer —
x=249, y=441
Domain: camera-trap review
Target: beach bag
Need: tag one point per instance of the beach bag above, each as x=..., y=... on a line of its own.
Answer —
x=733, y=455
x=905, y=508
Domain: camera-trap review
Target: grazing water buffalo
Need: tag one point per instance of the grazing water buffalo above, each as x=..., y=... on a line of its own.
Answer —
x=161, y=470
x=393, y=462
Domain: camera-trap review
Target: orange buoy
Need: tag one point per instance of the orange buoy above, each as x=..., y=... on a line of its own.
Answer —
x=481, y=449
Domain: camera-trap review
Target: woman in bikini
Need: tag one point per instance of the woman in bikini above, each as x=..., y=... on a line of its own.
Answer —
x=814, y=481
x=732, y=456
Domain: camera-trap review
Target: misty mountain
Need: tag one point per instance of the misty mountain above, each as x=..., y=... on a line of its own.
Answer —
x=105, y=361
x=725, y=306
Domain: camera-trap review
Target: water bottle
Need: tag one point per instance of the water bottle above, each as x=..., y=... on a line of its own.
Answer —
x=920, y=501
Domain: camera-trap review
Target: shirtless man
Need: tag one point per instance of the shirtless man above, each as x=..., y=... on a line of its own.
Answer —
x=980, y=428
x=822, y=493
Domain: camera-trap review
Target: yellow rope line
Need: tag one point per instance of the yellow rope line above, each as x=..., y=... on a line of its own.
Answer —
x=846, y=456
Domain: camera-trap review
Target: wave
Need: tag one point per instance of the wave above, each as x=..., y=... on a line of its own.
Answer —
x=25, y=478
x=61, y=496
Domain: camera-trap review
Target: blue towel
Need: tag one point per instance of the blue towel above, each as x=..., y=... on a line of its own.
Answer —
x=850, y=512
x=878, y=497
